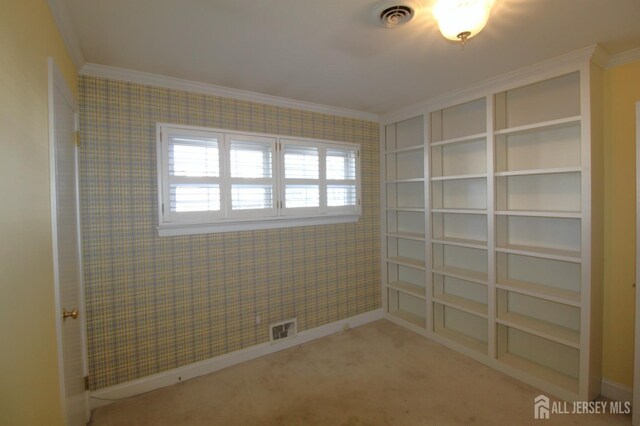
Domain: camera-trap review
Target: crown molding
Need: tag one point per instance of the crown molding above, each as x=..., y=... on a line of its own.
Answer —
x=63, y=21
x=548, y=68
x=600, y=56
x=624, y=58
x=157, y=80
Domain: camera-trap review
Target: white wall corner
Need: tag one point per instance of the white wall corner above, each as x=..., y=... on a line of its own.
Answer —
x=624, y=58
x=62, y=17
x=166, y=82
x=111, y=394
x=616, y=391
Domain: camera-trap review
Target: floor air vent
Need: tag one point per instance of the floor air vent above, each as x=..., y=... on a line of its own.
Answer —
x=283, y=330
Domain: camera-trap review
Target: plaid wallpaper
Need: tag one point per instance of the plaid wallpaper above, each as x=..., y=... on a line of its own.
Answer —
x=154, y=304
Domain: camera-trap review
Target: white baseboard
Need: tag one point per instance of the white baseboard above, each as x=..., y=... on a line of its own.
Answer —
x=106, y=396
x=111, y=394
x=616, y=391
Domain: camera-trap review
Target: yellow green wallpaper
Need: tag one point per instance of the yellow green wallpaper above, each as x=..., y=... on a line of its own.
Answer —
x=157, y=303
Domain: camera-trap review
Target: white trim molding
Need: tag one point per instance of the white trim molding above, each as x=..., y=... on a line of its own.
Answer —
x=252, y=225
x=61, y=16
x=616, y=391
x=157, y=80
x=624, y=58
x=548, y=68
x=111, y=394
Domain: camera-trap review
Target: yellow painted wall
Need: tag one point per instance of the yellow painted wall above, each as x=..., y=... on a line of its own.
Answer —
x=29, y=393
x=622, y=91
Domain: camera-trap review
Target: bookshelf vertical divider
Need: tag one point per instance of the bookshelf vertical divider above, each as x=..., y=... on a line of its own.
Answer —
x=491, y=233
x=492, y=224
x=428, y=227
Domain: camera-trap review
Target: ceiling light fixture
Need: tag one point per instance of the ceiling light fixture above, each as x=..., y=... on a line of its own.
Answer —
x=459, y=20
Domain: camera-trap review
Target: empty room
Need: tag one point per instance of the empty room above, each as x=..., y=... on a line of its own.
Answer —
x=362, y=212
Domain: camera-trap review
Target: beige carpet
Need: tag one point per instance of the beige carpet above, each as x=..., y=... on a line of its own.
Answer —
x=377, y=374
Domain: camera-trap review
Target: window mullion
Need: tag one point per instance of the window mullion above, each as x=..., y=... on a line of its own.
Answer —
x=225, y=177
x=322, y=152
x=282, y=181
x=295, y=181
x=193, y=180
x=163, y=171
x=341, y=181
x=251, y=181
x=265, y=164
x=277, y=178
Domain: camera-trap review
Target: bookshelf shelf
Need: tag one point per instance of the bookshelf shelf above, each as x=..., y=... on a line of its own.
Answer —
x=505, y=199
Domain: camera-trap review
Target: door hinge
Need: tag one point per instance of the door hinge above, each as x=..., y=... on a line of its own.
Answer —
x=77, y=138
x=162, y=208
x=86, y=383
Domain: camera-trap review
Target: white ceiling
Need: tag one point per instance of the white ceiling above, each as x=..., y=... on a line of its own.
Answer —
x=331, y=51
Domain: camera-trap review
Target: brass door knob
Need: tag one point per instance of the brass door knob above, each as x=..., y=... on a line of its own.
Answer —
x=66, y=314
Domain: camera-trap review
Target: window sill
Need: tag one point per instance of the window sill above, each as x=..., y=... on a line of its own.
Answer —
x=172, y=230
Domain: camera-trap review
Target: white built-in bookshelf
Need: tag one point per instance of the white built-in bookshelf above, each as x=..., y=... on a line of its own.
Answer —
x=404, y=222
x=492, y=225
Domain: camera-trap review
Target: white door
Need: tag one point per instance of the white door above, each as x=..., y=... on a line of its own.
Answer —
x=66, y=249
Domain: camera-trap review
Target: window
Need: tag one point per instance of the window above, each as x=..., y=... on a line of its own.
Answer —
x=217, y=180
x=341, y=178
x=318, y=178
x=192, y=181
x=251, y=177
x=301, y=169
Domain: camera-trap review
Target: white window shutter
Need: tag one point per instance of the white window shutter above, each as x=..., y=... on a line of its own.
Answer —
x=342, y=186
x=216, y=180
x=301, y=172
x=252, y=176
x=192, y=181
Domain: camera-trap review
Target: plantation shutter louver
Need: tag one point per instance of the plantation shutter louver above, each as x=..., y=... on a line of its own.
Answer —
x=252, y=177
x=301, y=177
x=194, y=175
x=213, y=180
x=341, y=177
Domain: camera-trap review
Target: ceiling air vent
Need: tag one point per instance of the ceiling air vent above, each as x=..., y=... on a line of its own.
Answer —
x=392, y=16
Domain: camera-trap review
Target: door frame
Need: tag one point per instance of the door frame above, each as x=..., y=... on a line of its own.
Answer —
x=636, y=369
x=57, y=82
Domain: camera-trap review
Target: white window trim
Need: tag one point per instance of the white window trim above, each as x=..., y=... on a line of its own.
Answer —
x=243, y=221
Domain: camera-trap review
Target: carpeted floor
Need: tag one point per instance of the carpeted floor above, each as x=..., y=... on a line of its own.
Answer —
x=377, y=374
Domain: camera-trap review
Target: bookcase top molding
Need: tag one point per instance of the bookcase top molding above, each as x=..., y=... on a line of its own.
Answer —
x=570, y=62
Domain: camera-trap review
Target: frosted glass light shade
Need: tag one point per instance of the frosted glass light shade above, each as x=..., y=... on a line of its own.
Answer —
x=459, y=16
